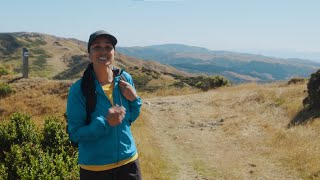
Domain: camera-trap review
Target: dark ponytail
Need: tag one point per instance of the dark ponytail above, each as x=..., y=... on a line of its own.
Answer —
x=88, y=88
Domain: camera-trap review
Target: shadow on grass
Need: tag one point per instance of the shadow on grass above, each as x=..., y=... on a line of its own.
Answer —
x=72, y=72
x=14, y=80
x=306, y=115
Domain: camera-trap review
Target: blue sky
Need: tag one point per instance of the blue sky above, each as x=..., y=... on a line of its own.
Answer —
x=287, y=27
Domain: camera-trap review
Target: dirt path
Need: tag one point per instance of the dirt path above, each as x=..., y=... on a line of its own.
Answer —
x=210, y=136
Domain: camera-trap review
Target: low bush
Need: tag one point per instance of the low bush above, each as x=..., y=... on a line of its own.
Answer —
x=3, y=71
x=296, y=81
x=313, y=86
x=206, y=82
x=5, y=89
x=141, y=81
x=29, y=153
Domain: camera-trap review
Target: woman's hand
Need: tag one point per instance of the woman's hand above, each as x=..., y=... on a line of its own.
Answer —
x=116, y=115
x=127, y=90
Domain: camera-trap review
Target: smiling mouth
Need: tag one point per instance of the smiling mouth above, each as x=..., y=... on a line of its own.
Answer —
x=103, y=59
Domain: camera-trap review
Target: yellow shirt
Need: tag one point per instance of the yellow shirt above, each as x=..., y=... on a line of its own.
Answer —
x=108, y=90
x=109, y=166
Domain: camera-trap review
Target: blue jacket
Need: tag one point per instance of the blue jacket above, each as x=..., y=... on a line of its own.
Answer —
x=100, y=143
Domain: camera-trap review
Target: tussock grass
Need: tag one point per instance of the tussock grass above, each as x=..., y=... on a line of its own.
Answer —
x=298, y=149
x=171, y=91
x=202, y=169
x=270, y=108
x=37, y=97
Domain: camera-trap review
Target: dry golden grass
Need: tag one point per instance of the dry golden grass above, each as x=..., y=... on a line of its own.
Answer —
x=151, y=159
x=248, y=131
x=239, y=132
x=37, y=97
x=169, y=92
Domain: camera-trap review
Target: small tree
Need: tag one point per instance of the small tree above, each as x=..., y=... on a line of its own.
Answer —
x=313, y=86
x=212, y=82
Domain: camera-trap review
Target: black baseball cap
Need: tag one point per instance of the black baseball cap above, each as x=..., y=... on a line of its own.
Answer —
x=99, y=33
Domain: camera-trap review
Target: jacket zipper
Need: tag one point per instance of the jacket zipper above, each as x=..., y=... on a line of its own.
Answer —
x=117, y=128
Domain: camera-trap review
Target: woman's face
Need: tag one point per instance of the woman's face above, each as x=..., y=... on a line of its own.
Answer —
x=101, y=51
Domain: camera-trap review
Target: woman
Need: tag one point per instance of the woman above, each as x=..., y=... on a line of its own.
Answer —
x=100, y=110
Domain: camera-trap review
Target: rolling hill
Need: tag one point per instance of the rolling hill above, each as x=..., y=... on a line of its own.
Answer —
x=238, y=67
x=65, y=59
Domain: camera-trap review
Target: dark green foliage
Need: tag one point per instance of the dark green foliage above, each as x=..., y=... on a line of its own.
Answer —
x=40, y=63
x=3, y=71
x=3, y=171
x=74, y=60
x=19, y=129
x=8, y=43
x=313, y=86
x=39, y=66
x=55, y=139
x=76, y=66
x=28, y=153
x=39, y=41
x=154, y=74
x=39, y=51
x=296, y=81
x=212, y=82
x=205, y=82
x=5, y=89
x=179, y=84
x=29, y=161
x=141, y=81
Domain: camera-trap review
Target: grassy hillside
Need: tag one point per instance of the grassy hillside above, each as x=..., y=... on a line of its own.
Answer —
x=47, y=54
x=62, y=58
x=65, y=59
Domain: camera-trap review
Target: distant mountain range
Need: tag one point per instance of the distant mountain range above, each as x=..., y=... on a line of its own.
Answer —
x=238, y=67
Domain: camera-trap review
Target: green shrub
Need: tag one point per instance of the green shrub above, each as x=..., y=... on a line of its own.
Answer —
x=205, y=82
x=296, y=81
x=27, y=153
x=38, y=51
x=141, y=82
x=313, y=86
x=55, y=138
x=20, y=128
x=3, y=72
x=179, y=84
x=29, y=161
x=5, y=89
x=3, y=171
x=211, y=82
x=39, y=41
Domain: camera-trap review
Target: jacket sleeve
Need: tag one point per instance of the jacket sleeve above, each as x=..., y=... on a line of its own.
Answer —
x=76, y=114
x=135, y=106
